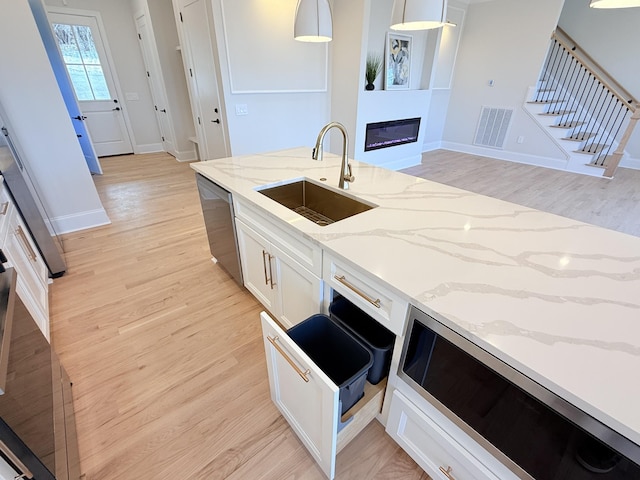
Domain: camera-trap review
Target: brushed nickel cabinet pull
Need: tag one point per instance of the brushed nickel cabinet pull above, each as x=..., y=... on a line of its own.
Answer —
x=264, y=265
x=447, y=472
x=271, y=272
x=26, y=473
x=343, y=280
x=4, y=208
x=273, y=341
x=27, y=245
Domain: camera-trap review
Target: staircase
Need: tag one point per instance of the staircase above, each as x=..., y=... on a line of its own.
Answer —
x=582, y=109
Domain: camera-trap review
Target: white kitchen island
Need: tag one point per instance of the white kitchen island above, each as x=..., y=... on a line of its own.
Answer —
x=555, y=298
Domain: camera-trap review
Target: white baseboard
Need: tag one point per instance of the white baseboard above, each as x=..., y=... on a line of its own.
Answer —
x=429, y=147
x=148, y=148
x=186, y=156
x=630, y=162
x=80, y=221
x=538, y=161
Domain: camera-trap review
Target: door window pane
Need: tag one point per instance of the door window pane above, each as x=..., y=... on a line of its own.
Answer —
x=83, y=62
x=86, y=45
x=98, y=83
x=80, y=82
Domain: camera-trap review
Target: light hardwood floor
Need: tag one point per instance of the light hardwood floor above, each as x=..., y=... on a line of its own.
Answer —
x=165, y=350
x=613, y=204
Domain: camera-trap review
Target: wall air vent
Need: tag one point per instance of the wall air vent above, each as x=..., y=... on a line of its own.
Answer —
x=493, y=127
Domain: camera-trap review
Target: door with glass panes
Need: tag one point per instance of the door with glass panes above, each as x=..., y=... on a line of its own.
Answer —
x=83, y=51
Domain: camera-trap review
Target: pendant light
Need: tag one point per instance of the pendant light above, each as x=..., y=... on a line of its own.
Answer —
x=313, y=21
x=418, y=14
x=614, y=3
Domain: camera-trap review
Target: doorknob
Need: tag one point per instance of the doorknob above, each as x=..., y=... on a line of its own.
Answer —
x=164, y=110
x=217, y=120
x=116, y=109
x=80, y=117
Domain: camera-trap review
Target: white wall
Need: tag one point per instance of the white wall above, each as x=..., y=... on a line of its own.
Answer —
x=350, y=22
x=504, y=41
x=41, y=125
x=117, y=16
x=611, y=37
x=283, y=110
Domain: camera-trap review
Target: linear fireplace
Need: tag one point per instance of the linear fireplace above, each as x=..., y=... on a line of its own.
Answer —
x=391, y=133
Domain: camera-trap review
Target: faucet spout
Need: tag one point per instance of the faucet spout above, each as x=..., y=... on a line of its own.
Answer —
x=346, y=176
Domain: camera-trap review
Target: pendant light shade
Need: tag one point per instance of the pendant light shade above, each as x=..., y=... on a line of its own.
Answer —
x=614, y=3
x=313, y=21
x=418, y=14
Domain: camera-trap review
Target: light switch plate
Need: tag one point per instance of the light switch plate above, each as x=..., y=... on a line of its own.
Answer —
x=242, y=109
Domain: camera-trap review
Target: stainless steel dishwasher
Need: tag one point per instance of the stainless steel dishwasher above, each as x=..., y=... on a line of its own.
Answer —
x=217, y=209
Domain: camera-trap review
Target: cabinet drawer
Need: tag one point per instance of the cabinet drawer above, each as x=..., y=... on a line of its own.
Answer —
x=309, y=400
x=303, y=251
x=370, y=295
x=435, y=450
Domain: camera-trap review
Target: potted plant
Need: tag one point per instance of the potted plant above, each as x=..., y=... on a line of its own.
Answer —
x=372, y=70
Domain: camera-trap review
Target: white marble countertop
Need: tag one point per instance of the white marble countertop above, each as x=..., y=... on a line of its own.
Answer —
x=556, y=298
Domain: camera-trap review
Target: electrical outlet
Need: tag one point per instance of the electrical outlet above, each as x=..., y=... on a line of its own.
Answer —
x=520, y=139
x=242, y=109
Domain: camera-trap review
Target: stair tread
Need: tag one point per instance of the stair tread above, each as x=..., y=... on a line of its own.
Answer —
x=593, y=149
x=545, y=102
x=556, y=114
x=581, y=137
x=568, y=125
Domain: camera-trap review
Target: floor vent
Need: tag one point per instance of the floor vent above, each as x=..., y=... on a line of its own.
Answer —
x=493, y=127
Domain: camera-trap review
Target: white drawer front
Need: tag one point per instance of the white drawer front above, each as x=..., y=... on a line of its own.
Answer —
x=303, y=393
x=432, y=447
x=305, y=252
x=386, y=307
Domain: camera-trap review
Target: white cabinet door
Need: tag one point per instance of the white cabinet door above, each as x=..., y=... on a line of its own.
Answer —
x=310, y=406
x=298, y=291
x=287, y=289
x=255, y=258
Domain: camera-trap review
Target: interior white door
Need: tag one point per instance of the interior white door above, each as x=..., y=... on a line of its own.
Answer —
x=156, y=84
x=83, y=51
x=202, y=78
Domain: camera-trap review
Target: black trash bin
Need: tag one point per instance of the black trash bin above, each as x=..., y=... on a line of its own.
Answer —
x=337, y=352
x=374, y=336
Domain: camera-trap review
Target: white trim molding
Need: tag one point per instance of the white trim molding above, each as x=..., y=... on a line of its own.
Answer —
x=295, y=47
x=80, y=221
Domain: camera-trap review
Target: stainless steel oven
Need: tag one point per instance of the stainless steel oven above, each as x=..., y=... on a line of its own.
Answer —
x=37, y=429
x=533, y=431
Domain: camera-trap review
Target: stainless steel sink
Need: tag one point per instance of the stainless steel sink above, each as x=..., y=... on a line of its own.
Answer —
x=314, y=202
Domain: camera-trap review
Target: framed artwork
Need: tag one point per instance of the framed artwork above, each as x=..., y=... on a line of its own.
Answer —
x=397, y=62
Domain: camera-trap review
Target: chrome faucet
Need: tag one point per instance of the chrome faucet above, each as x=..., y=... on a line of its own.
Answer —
x=345, y=170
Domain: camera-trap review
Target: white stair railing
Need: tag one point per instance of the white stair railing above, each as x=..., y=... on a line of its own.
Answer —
x=599, y=114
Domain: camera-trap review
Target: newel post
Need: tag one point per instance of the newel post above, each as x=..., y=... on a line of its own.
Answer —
x=611, y=164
